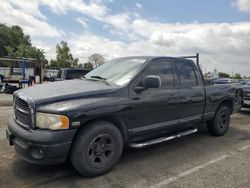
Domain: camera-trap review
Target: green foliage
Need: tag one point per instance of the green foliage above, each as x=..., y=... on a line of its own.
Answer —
x=224, y=75
x=80, y=65
x=11, y=38
x=10, y=51
x=96, y=59
x=14, y=43
x=52, y=64
x=75, y=62
x=237, y=76
x=88, y=65
x=63, y=56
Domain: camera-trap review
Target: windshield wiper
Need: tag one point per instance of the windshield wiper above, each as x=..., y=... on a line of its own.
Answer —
x=98, y=77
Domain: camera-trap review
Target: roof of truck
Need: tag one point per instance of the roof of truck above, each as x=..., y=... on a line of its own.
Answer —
x=156, y=57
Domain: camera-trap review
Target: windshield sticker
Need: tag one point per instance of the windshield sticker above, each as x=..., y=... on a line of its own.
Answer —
x=138, y=60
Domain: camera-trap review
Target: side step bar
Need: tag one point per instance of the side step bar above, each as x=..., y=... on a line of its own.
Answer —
x=162, y=139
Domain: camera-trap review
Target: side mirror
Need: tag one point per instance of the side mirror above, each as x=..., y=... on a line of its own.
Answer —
x=150, y=81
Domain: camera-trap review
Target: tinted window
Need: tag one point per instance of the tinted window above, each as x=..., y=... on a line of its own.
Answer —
x=59, y=74
x=85, y=72
x=163, y=69
x=186, y=74
x=73, y=74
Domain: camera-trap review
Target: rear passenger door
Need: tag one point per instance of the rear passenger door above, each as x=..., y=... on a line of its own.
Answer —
x=192, y=94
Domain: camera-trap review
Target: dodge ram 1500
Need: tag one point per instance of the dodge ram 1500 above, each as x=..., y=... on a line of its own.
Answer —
x=134, y=101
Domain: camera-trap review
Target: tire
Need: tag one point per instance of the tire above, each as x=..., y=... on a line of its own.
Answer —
x=97, y=148
x=219, y=125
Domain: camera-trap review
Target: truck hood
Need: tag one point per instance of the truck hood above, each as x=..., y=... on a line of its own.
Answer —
x=65, y=90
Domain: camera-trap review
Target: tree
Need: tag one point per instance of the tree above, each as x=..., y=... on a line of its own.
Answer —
x=52, y=63
x=63, y=56
x=224, y=75
x=10, y=51
x=75, y=62
x=96, y=59
x=11, y=38
x=237, y=76
x=80, y=65
x=88, y=65
x=14, y=43
x=244, y=77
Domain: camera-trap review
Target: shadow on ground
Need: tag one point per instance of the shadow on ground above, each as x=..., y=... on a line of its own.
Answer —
x=147, y=163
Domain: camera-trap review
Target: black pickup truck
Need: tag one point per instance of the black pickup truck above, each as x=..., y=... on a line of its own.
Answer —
x=130, y=101
x=246, y=95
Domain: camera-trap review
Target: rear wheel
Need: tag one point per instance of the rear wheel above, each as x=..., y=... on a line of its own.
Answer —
x=220, y=123
x=97, y=148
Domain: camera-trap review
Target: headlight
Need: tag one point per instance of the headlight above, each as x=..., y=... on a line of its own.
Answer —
x=51, y=121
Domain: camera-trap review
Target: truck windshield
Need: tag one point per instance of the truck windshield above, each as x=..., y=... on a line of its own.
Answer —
x=117, y=71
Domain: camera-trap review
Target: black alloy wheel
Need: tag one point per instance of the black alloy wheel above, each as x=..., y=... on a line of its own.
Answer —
x=219, y=125
x=97, y=148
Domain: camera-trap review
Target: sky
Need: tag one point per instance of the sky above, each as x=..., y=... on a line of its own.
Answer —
x=217, y=29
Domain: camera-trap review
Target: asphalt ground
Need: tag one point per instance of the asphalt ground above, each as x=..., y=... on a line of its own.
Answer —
x=6, y=99
x=198, y=160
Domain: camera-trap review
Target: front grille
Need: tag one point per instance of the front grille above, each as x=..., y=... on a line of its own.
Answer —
x=246, y=94
x=22, y=104
x=22, y=112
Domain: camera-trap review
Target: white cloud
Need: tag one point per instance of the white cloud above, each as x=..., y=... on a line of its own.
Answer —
x=225, y=46
x=82, y=21
x=118, y=21
x=94, y=8
x=34, y=25
x=49, y=48
x=29, y=7
x=243, y=5
x=210, y=38
x=138, y=5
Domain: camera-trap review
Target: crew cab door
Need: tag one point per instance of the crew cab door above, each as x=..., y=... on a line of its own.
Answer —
x=154, y=109
x=192, y=93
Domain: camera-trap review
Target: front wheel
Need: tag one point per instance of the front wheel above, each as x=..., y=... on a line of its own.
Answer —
x=97, y=148
x=218, y=126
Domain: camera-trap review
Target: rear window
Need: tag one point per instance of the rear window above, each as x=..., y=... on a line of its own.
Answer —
x=186, y=74
x=74, y=74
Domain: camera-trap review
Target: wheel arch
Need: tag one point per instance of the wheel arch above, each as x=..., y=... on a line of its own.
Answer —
x=228, y=103
x=117, y=121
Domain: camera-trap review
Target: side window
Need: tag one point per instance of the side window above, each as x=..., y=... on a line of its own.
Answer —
x=163, y=69
x=75, y=74
x=186, y=74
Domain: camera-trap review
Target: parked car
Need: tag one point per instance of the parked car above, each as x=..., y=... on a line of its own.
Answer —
x=50, y=74
x=243, y=82
x=14, y=77
x=246, y=95
x=70, y=73
x=225, y=81
x=134, y=101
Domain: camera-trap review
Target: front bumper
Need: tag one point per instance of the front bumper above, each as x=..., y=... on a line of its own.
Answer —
x=246, y=101
x=43, y=147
